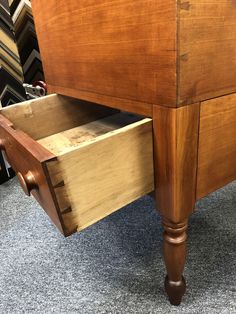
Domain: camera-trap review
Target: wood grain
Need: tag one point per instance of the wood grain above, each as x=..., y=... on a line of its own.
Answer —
x=84, y=173
x=175, y=160
x=175, y=252
x=122, y=49
x=176, y=148
x=52, y=114
x=206, y=49
x=131, y=55
x=113, y=102
x=25, y=155
x=104, y=174
x=217, y=144
x=65, y=141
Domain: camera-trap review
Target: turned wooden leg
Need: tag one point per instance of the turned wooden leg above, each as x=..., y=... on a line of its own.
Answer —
x=175, y=157
x=175, y=255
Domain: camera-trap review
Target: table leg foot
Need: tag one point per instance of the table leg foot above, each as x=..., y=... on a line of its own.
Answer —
x=175, y=238
x=175, y=290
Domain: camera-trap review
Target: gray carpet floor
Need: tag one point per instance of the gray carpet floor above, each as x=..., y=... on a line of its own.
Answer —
x=116, y=265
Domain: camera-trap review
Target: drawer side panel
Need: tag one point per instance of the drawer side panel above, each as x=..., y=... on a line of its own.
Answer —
x=104, y=175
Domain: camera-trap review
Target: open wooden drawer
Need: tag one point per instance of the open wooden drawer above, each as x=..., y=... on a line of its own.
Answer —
x=81, y=161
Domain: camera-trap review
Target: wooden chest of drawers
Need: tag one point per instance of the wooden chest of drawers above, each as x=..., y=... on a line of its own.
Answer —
x=174, y=63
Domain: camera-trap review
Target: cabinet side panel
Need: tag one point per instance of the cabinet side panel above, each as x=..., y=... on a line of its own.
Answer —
x=207, y=49
x=121, y=49
x=217, y=144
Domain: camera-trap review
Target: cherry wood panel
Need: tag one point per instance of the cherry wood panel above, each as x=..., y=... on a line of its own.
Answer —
x=134, y=54
x=122, y=49
x=207, y=49
x=176, y=146
x=112, y=102
x=217, y=144
x=28, y=159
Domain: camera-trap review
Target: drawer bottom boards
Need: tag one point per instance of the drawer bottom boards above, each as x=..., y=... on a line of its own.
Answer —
x=81, y=161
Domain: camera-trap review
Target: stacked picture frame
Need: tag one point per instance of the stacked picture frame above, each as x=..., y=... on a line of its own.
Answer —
x=20, y=60
x=11, y=72
x=26, y=40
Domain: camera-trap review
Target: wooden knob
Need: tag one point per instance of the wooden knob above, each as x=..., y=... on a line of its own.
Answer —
x=27, y=182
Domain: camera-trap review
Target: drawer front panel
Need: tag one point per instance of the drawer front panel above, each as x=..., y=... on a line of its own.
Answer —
x=28, y=159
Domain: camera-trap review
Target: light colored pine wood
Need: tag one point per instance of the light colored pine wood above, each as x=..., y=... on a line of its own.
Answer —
x=45, y=116
x=65, y=141
x=105, y=174
x=217, y=144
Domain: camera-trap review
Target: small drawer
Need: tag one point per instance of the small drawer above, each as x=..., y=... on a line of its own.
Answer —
x=81, y=161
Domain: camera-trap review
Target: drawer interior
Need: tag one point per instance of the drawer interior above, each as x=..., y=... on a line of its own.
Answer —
x=103, y=157
x=74, y=138
x=42, y=117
